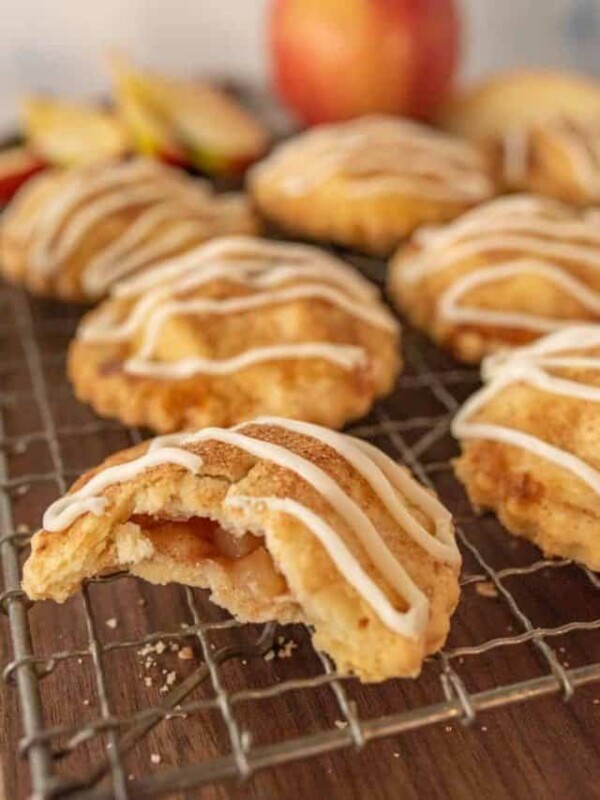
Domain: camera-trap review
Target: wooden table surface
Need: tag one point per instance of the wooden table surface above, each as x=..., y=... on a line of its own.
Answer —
x=543, y=748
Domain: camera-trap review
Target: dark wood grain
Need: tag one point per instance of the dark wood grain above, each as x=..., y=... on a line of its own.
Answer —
x=543, y=749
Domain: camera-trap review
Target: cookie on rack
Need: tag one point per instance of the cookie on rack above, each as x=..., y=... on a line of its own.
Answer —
x=542, y=126
x=519, y=99
x=367, y=183
x=280, y=520
x=559, y=159
x=500, y=276
x=73, y=233
x=530, y=442
x=238, y=327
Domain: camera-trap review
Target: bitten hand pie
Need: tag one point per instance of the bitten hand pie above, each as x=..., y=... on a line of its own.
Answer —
x=501, y=275
x=236, y=328
x=72, y=234
x=280, y=520
x=531, y=443
x=368, y=183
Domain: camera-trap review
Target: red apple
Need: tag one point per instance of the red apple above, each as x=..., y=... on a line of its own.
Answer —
x=336, y=59
x=17, y=165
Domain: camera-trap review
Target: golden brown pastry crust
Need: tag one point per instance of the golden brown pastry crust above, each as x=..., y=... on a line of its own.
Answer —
x=62, y=234
x=289, y=577
x=530, y=443
x=516, y=255
x=312, y=389
x=389, y=176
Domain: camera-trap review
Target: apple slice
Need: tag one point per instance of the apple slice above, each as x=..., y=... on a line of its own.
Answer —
x=69, y=134
x=219, y=136
x=17, y=164
x=214, y=132
x=150, y=134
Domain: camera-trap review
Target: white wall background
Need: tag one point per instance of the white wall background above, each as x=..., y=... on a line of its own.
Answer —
x=60, y=45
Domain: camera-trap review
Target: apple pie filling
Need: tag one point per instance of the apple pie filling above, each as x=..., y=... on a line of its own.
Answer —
x=192, y=540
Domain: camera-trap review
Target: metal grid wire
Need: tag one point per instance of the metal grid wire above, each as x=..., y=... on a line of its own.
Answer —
x=409, y=427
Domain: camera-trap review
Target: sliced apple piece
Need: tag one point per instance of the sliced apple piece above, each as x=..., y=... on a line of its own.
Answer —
x=17, y=165
x=215, y=133
x=69, y=134
x=151, y=135
x=219, y=135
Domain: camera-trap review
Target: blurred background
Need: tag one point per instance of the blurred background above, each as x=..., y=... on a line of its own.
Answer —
x=60, y=45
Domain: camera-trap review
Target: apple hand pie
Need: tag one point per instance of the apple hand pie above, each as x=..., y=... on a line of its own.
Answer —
x=501, y=275
x=559, y=158
x=73, y=234
x=368, y=183
x=280, y=520
x=530, y=442
x=520, y=99
x=238, y=327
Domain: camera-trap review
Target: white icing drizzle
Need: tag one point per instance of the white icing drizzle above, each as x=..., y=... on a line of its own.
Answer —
x=539, y=237
x=515, y=145
x=584, y=163
x=450, y=309
x=255, y=254
x=386, y=479
x=261, y=266
x=346, y=356
x=90, y=196
x=130, y=251
x=378, y=154
x=530, y=365
x=577, y=144
x=67, y=509
x=74, y=208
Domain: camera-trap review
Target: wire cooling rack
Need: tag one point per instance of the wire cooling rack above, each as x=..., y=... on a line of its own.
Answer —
x=126, y=669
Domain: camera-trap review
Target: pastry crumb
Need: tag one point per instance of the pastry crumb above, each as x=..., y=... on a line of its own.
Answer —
x=186, y=653
x=269, y=656
x=341, y=724
x=286, y=648
x=155, y=758
x=486, y=589
x=148, y=681
x=111, y=623
x=23, y=528
x=246, y=740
